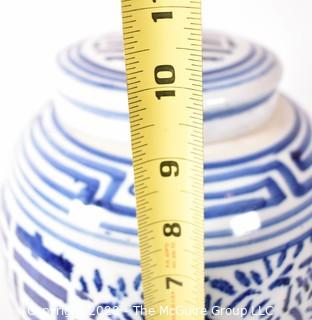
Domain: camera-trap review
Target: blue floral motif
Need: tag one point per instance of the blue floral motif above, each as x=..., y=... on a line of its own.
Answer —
x=117, y=294
x=246, y=286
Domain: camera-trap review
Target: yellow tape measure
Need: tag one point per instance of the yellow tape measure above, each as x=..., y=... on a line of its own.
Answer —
x=163, y=46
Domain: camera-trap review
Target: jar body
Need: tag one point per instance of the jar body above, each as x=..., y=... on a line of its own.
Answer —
x=69, y=229
x=68, y=221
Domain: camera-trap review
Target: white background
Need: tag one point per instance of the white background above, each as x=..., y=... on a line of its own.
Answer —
x=32, y=32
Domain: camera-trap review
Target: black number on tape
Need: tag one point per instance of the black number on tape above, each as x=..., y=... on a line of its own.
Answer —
x=164, y=74
x=172, y=230
x=161, y=15
x=167, y=168
x=171, y=280
x=165, y=93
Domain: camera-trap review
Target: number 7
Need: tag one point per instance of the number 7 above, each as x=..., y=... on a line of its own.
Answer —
x=169, y=280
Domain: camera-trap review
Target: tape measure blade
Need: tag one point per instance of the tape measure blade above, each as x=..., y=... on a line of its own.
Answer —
x=163, y=48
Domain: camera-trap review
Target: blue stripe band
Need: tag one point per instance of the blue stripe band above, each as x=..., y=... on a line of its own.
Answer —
x=52, y=287
x=36, y=298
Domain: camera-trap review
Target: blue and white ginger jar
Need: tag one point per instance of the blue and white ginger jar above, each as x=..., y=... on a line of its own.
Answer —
x=68, y=209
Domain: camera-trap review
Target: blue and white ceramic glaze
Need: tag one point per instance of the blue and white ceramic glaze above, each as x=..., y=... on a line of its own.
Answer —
x=68, y=222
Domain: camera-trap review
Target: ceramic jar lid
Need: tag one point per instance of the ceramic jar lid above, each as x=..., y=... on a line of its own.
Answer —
x=240, y=84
